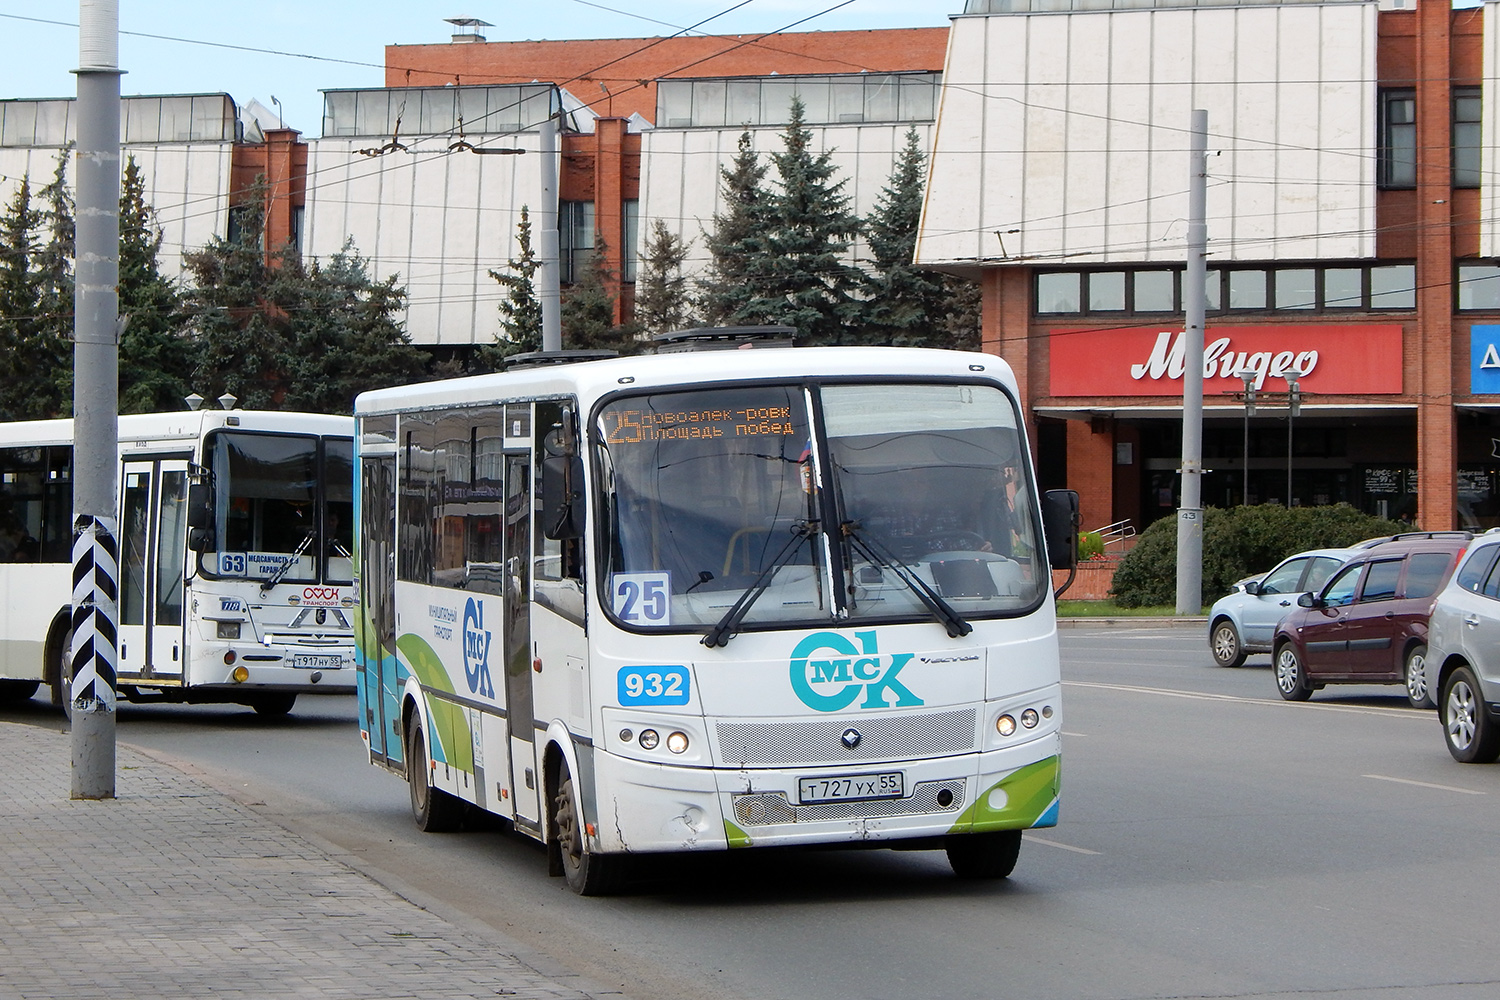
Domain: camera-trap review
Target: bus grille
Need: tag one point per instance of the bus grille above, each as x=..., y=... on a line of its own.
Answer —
x=767, y=808
x=898, y=737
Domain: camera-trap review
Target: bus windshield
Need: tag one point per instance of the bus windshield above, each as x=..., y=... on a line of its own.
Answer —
x=723, y=510
x=283, y=508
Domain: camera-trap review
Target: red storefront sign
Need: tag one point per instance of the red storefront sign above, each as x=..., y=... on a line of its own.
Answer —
x=1360, y=359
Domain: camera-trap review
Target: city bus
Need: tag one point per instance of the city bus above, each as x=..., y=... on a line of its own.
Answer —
x=713, y=601
x=236, y=568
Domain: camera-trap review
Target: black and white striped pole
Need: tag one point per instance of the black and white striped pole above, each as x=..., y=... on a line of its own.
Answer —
x=96, y=303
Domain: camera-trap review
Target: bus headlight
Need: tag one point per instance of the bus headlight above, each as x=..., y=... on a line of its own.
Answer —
x=648, y=739
x=229, y=630
x=677, y=742
x=1005, y=725
x=1029, y=718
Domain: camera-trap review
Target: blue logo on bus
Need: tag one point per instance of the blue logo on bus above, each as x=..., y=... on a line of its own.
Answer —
x=829, y=672
x=477, y=650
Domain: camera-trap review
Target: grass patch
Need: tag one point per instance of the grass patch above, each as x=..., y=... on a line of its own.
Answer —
x=1109, y=609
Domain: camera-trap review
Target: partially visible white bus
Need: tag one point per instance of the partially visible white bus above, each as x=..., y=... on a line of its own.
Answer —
x=709, y=601
x=235, y=557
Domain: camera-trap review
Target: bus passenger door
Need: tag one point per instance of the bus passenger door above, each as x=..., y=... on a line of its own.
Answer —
x=525, y=776
x=153, y=533
x=377, y=689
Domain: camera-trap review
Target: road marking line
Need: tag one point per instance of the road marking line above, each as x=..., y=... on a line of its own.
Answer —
x=1066, y=733
x=1424, y=784
x=1060, y=847
x=1401, y=713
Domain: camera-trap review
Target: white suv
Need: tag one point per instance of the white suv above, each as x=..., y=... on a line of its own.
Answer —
x=1463, y=658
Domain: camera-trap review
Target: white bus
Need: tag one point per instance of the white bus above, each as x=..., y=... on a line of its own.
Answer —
x=708, y=601
x=235, y=546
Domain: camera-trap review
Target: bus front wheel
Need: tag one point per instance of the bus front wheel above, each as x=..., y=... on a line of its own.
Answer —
x=273, y=705
x=984, y=855
x=435, y=810
x=588, y=873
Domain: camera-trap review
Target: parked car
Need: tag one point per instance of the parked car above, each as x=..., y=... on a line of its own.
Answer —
x=1244, y=621
x=1463, y=660
x=1368, y=625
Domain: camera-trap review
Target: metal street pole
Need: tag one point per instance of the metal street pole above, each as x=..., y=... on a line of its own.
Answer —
x=1293, y=406
x=91, y=657
x=1190, y=511
x=1249, y=376
x=548, y=288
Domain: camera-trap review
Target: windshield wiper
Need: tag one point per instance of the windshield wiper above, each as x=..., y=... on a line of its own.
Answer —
x=720, y=634
x=877, y=554
x=286, y=567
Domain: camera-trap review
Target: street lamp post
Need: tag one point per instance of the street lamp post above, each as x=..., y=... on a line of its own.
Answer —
x=1294, y=407
x=1248, y=375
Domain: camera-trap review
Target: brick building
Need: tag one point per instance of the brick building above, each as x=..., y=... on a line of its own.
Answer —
x=1352, y=244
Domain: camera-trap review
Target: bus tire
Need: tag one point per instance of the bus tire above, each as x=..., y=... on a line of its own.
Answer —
x=435, y=810
x=60, y=671
x=588, y=873
x=273, y=705
x=983, y=855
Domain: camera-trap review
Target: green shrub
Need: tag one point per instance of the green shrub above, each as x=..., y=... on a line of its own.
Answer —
x=1090, y=545
x=1237, y=543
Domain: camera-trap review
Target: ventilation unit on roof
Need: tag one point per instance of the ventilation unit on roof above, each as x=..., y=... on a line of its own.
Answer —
x=541, y=359
x=723, y=338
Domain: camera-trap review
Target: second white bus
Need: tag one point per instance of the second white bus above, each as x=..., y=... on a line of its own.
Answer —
x=235, y=557
x=710, y=601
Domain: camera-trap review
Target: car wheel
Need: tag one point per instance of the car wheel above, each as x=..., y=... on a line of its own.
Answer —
x=588, y=873
x=1472, y=737
x=1291, y=677
x=1416, y=678
x=983, y=855
x=1224, y=640
x=435, y=810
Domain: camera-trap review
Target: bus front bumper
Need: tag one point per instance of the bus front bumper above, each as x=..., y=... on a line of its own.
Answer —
x=643, y=807
x=290, y=669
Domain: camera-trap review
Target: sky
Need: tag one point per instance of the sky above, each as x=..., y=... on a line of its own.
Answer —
x=292, y=49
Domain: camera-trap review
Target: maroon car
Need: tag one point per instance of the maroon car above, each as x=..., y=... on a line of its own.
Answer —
x=1368, y=625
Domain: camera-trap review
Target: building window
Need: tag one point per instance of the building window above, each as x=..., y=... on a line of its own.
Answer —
x=1466, y=106
x=1058, y=292
x=1478, y=286
x=632, y=235
x=1107, y=291
x=1299, y=288
x=1398, y=139
x=575, y=238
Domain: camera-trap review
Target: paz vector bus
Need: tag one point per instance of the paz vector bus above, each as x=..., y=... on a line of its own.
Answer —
x=235, y=542
x=708, y=601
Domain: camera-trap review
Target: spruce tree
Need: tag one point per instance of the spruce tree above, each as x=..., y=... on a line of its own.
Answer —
x=520, y=309
x=812, y=287
x=907, y=306
x=737, y=243
x=156, y=358
x=20, y=300
x=661, y=294
x=588, y=308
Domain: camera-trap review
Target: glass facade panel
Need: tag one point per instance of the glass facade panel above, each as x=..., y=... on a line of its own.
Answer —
x=1155, y=291
x=708, y=102
x=1343, y=287
x=882, y=97
x=1478, y=286
x=743, y=108
x=1058, y=293
x=1247, y=289
x=674, y=103
x=339, y=113
x=1106, y=291
x=815, y=99
x=847, y=101
x=1213, y=291
x=776, y=99
x=1466, y=108
x=1393, y=287
x=1296, y=288
x=1398, y=139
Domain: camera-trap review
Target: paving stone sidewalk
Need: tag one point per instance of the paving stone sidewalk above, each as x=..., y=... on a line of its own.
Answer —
x=172, y=889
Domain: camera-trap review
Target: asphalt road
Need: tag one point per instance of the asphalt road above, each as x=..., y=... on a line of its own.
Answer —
x=1215, y=841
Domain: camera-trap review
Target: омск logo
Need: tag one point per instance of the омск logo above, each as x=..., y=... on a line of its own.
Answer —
x=477, y=651
x=828, y=673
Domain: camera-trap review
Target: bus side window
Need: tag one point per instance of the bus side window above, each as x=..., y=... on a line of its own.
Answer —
x=555, y=559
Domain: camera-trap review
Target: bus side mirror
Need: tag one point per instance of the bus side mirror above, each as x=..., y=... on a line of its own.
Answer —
x=200, y=517
x=562, y=495
x=1060, y=527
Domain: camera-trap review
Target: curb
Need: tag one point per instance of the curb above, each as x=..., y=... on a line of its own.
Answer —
x=1186, y=622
